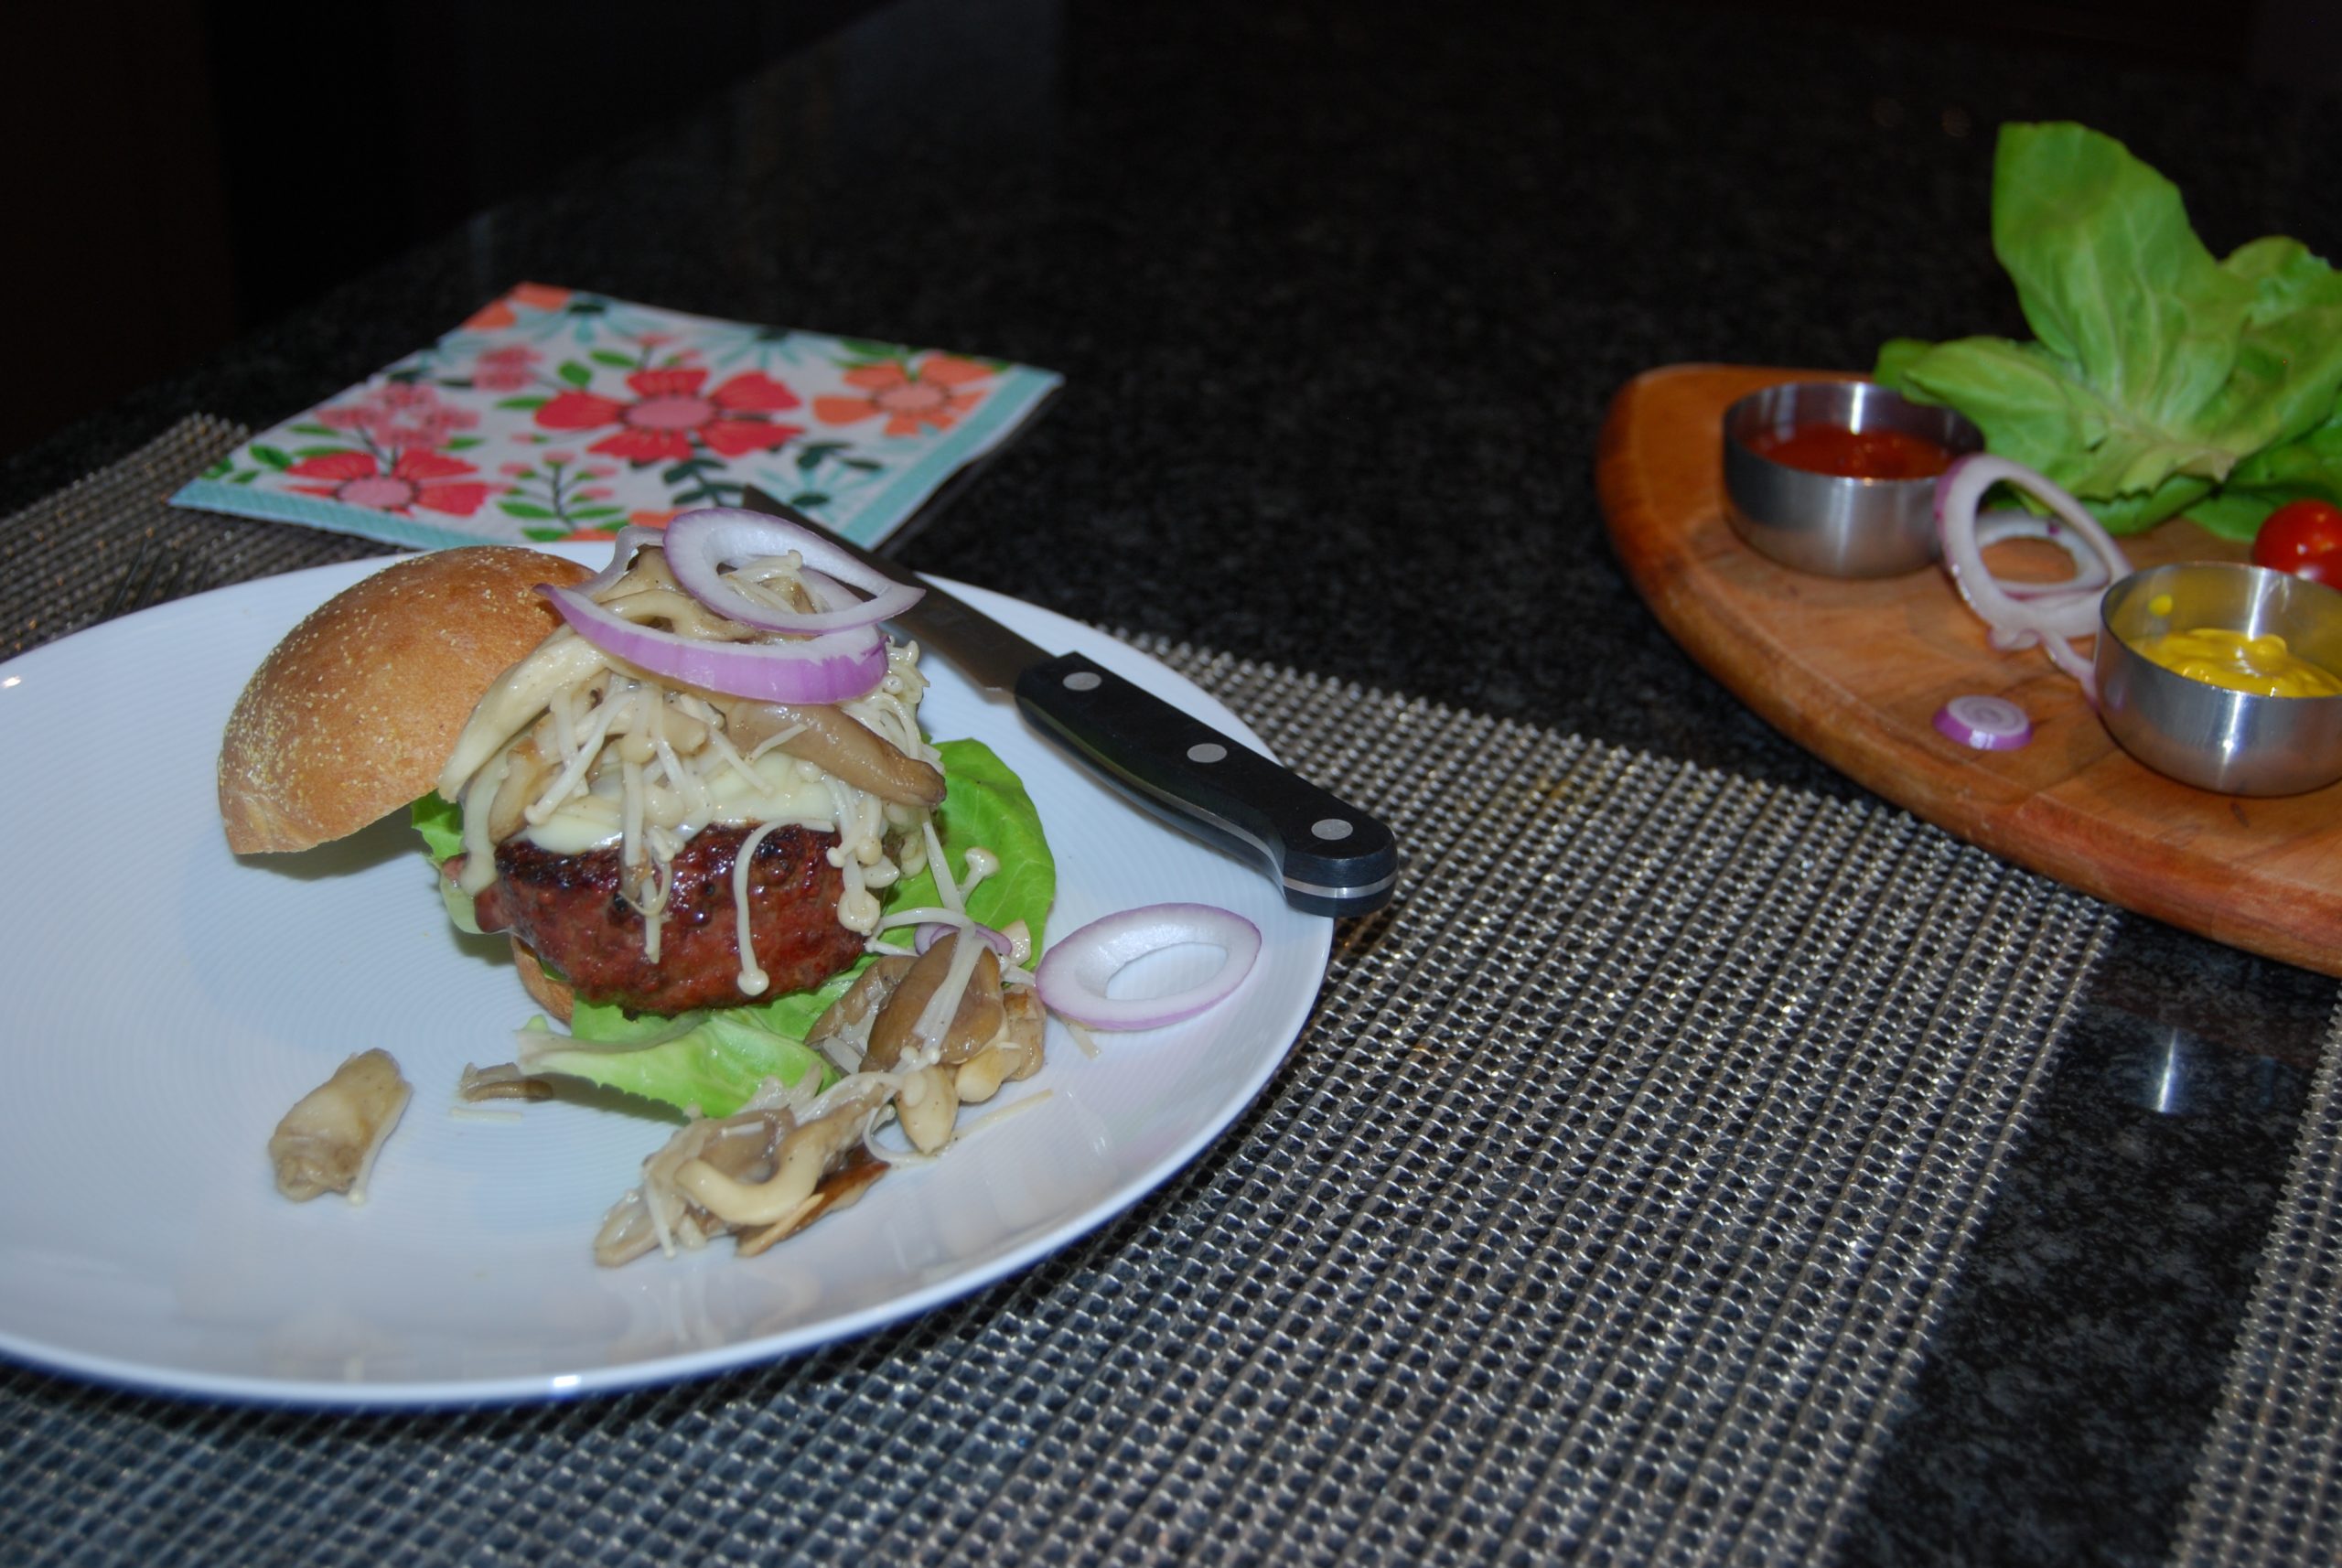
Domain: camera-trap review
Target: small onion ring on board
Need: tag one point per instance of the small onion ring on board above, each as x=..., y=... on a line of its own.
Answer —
x=1074, y=973
x=701, y=543
x=1986, y=723
x=833, y=668
x=2047, y=615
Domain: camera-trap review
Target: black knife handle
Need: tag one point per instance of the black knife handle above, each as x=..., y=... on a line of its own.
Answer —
x=1330, y=857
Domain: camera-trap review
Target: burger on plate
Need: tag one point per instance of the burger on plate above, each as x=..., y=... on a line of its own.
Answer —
x=692, y=792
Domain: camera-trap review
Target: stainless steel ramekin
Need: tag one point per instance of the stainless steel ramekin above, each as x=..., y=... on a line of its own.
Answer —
x=1826, y=523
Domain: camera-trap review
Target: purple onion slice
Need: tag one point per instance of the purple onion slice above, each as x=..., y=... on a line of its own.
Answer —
x=832, y=668
x=701, y=545
x=1073, y=975
x=1988, y=723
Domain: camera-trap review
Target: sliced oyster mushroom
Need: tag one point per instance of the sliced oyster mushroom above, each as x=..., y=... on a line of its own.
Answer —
x=763, y=1173
x=972, y=1026
x=518, y=695
x=842, y=1188
x=1015, y=1053
x=675, y=612
x=842, y=1031
x=654, y=1213
x=649, y=569
x=329, y=1139
x=526, y=772
x=800, y=1156
x=840, y=745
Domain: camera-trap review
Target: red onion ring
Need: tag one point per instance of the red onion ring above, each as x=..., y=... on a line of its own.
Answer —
x=2092, y=574
x=1986, y=722
x=1073, y=975
x=701, y=543
x=2047, y=615
x=828, y=669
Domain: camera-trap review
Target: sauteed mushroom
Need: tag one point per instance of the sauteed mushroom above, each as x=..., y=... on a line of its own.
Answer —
x=1014, y=1053
x=802, y=1152
x=770, y=1169
x=842, y=1188
x=978, y=1018
x=524, y=777
x=839, y=745
x=842, y=1031
x=328, y=1142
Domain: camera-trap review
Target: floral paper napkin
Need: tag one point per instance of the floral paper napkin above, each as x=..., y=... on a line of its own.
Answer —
x=554, y=414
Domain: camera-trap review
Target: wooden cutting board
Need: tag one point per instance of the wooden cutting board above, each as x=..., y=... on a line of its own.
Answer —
x=1854, y=672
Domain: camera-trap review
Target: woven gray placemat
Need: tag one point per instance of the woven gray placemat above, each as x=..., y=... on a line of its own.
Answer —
x=1602, y=1208
x=93, y=539
x=2268, y=1487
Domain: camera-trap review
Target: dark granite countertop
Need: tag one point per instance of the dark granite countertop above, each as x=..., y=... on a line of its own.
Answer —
x=1340, y=297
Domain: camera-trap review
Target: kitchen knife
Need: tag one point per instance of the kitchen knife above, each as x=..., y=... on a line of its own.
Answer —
x=1330, y=857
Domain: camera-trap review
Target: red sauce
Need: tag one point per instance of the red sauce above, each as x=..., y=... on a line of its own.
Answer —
x=1856, y=454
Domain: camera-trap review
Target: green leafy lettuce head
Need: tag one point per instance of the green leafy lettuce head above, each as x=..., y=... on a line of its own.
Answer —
x=2160, y=380
x=713, y=1062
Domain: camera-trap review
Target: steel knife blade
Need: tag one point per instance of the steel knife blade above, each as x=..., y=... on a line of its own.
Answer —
x=1329, y=856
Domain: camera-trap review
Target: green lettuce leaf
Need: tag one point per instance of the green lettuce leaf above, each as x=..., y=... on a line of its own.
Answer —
x=2311, y=467
x=709, y=1062
x=2158, y=373
x=713, y=1060
x=985, y=804
x=441, y=823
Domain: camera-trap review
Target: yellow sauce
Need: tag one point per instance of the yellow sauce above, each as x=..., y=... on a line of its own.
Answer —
x=2260, y=666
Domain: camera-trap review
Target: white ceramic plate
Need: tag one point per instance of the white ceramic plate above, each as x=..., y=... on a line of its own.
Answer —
x=167, y=1003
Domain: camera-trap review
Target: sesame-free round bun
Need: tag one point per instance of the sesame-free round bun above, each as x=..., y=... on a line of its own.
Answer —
x=351, y=715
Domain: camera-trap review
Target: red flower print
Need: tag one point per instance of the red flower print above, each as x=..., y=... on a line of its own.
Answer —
x=504, y=368
x=415, y=480
x=912, y=400
x=398, y=415
x=671, y=414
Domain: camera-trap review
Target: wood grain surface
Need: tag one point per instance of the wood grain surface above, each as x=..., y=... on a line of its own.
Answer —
x=1854, y=672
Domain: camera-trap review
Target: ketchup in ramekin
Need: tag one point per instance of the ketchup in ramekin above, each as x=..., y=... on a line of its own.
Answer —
x=1853, y=454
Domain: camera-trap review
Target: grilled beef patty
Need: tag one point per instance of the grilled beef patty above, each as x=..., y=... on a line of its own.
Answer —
x=568, y=908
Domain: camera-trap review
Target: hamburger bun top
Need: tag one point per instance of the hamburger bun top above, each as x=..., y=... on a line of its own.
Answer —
x=351, y=715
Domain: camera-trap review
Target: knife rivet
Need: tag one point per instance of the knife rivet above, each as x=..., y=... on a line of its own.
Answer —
x=1082, y=681
x=1329, y=828
x=1206, y=751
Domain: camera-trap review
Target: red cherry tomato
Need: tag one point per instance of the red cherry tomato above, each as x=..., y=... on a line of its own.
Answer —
x=2303, y=537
